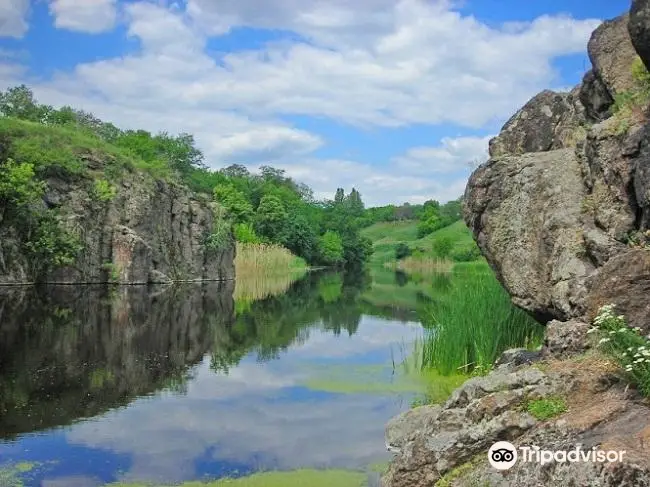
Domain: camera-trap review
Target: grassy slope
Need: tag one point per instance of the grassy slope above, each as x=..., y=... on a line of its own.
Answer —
x=386, y=236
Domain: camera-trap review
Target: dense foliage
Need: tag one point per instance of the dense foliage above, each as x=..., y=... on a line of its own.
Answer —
x=267, y=207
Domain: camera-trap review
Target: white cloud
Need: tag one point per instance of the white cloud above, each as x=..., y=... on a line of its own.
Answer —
x=452, y=155
x=374, y=63
x=13, y=18
x=378, y=185
x=91, y=16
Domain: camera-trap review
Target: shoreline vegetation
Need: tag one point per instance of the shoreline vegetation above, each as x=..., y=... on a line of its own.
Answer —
x=467, y=316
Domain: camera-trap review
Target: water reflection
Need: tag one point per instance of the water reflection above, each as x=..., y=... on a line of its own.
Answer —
x=74, y=352
x=174, y=384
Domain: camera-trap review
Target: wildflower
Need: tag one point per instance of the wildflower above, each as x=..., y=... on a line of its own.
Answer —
x=628, y=368
x=622, y=330
x=592, y=330
x=612, y=332
x=603, y=340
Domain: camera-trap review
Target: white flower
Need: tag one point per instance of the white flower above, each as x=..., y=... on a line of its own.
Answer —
x=592, y=330
x=622, y=330
x=603, y=340
x=628, y=368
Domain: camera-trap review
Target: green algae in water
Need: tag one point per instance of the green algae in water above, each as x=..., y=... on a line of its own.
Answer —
x=295, y=478
x=406, y=378
x=15, y=474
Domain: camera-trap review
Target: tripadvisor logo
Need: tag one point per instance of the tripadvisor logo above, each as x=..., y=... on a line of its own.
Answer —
x=503, y=455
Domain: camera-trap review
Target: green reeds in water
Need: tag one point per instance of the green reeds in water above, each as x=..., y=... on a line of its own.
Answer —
x=470, y=323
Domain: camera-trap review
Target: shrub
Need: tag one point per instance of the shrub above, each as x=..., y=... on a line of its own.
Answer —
x=330, y=246
x=103, y=190
x=245, y=233
x=467, y=253
x=221, y=235
x=402, y=250
x=442, y=246
x=625, y=345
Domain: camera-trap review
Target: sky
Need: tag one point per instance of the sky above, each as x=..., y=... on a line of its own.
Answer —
x=394, y=97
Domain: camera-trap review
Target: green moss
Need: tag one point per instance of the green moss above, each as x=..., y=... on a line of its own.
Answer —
x=547, y=408
x=296, y=478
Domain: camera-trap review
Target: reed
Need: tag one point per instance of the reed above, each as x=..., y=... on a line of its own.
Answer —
x=470, y=324
x=265, y=270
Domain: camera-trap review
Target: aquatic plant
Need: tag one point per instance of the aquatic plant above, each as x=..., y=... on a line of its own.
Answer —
x=472, y=322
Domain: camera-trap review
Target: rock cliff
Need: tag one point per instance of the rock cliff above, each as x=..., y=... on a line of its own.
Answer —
x=563, y=204
x=148, y=231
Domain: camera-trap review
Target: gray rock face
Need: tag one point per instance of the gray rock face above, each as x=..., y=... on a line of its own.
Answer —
x=548, y=121
x=639, y=29
x=433, y=440
x=549, y=218
x=151, y=231
x=525, y=212
x=595, y=97
x=562, y=340
x=611, y=53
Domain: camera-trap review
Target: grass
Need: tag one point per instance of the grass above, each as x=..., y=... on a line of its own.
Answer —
x=386, y=236
x=547, y=408
x=254, y=260
x=295, y=478
x=470, y=324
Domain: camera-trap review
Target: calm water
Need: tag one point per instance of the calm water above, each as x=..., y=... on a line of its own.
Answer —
x=176, y=384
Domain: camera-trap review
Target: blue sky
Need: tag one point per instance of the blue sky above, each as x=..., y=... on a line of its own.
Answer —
x=395, y=97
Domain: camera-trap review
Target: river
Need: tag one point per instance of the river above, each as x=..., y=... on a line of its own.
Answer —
x=170, y=384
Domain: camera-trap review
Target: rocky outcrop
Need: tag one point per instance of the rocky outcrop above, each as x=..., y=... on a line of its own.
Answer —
x=448, y=444
x=611, y=53
x=151, y=231
x=549, y=210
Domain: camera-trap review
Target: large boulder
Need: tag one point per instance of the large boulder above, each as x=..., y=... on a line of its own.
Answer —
x=639, y=29
x=525, y=213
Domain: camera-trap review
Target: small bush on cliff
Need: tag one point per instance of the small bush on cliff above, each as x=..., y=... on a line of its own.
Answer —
x=626, y=345
x=103, y=190
x=630, y=106
x=42, y=234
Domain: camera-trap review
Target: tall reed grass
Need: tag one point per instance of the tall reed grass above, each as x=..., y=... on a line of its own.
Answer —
x=472, y=322
x=263, y=270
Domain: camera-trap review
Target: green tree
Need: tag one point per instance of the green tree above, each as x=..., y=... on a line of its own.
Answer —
x=355, y=204
x=234, y=202
x=340, y=195
x=19, y=102
x=331, y=248
x=300, y=237
x=271, y=218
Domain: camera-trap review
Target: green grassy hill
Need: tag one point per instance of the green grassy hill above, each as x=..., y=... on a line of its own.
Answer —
x=387, y=235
